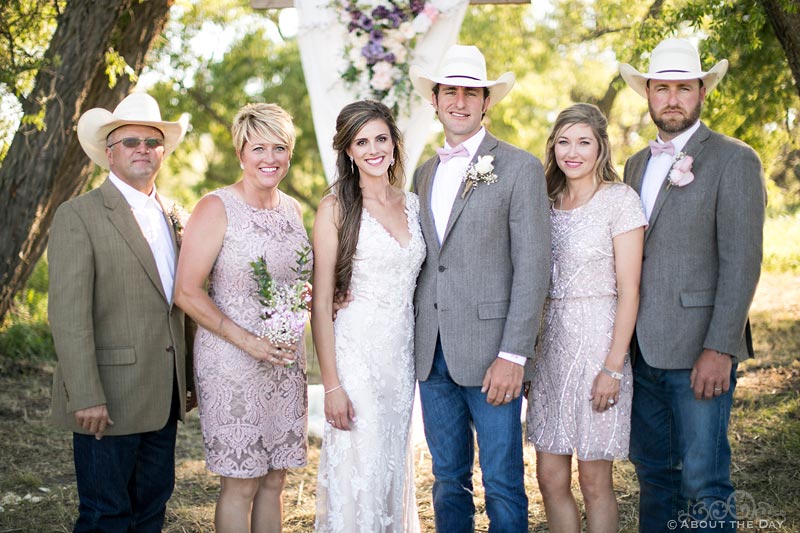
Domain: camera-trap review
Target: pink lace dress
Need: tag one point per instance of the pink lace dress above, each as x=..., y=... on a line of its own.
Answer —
x=253, y=414
x=577, y=329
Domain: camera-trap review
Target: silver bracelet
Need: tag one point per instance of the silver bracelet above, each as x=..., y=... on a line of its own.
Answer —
x=333, y=389
x=615, y=375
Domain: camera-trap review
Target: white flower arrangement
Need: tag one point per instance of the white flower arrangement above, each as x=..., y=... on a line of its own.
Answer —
x=178, y=216
x=481, y=171
x=380, y=37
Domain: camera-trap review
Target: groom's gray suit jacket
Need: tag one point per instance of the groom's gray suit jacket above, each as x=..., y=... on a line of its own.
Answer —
x=482, y=289
x=702, y=254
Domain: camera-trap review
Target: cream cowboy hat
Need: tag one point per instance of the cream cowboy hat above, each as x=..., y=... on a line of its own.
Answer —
x=462, y=66
x=673, y=59
x=96, y=124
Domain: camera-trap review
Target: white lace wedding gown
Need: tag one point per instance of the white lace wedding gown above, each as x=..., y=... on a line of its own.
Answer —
x=365, y=482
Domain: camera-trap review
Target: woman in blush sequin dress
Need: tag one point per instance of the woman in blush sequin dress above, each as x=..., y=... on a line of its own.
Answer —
x=251, y=392
x=580, y=397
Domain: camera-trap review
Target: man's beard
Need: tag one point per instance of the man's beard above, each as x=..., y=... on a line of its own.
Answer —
x=677, y=125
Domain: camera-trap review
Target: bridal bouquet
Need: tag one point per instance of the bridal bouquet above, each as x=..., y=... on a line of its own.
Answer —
x=284, y=305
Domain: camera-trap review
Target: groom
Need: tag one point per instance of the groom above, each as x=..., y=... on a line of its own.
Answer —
x=479, y=295
x=703, y=194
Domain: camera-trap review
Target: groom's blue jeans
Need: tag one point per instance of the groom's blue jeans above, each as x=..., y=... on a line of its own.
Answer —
x=679, y=446
x=452, y=414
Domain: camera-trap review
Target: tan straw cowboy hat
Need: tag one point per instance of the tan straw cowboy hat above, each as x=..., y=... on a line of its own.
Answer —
x=673, y=60
x=462, y=66
x=96, y=124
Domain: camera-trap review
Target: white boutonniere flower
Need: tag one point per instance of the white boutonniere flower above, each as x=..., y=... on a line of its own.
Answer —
x=680, y=174
x=178, y=216
x=481, y=171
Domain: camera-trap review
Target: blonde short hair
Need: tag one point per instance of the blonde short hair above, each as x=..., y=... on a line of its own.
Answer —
x=269, y=122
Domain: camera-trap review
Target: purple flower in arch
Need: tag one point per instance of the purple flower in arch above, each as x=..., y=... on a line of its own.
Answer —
x=396, y=18
x=417, y=6
x=373, y=52
x=380, y=12
x=360, y=20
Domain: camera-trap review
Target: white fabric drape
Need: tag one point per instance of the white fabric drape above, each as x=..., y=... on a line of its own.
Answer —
x=321, y=36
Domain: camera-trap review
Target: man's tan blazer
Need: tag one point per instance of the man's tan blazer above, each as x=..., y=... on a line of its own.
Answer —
x=118, y=339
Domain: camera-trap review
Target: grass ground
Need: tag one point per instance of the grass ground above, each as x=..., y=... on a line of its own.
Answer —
x=37, y=486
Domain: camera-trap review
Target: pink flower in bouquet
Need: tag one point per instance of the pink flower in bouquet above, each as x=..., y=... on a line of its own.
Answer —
x=681, y=174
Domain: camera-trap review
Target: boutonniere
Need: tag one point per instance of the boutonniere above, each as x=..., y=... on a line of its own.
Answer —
x=481, y=171
x=178, y=216
x=680, y=174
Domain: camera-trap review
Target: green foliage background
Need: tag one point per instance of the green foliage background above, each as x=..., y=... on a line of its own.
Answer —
x=562, y=51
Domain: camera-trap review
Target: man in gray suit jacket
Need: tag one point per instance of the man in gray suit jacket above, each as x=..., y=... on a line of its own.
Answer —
x=704, y=197
x=479, y=295
x=121, y=381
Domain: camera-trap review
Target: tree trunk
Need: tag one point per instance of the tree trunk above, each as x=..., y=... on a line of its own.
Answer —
x=42, y=169
x=786, y=24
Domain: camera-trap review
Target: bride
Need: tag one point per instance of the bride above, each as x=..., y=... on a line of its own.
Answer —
x=368, y=245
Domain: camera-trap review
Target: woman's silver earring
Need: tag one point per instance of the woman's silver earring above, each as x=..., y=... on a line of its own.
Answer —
x=241, y=165
x=352, y=166
x=391, y=162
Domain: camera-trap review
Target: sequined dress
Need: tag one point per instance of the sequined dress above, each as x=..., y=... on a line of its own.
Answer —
x=365, y=481
x=577, y=331
x=252, y=414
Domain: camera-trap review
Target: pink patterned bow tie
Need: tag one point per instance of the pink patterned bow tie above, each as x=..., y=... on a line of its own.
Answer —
x=445, y=154
x=661, y=148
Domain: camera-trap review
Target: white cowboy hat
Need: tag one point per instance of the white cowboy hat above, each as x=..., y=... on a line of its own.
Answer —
x=462, y=66
x=136, y=108
x=673, y=59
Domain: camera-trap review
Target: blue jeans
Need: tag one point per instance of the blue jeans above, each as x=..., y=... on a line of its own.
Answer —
x=679, y=446
x=451, y=414
x=124, y=481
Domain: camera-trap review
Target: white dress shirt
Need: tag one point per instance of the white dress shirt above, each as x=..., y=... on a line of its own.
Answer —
x=658, y=168
x=446, y=183
x=150, y=215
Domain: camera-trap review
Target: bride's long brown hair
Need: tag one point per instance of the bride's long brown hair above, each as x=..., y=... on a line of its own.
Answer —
x=347, y=186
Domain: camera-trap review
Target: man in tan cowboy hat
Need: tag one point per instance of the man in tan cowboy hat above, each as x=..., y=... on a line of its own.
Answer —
x=479, y=295
x=704, y=197
x=121, y=380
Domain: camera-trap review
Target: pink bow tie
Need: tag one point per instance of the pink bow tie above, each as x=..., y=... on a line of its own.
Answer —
x=445, y=154
x=661, y=148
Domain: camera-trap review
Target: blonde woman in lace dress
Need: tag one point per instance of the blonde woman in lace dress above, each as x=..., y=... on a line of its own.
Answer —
x=251, y=393
x=580, y=398
x=367, y=243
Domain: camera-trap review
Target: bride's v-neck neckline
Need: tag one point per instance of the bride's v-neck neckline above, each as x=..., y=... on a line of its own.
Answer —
x=389, y=233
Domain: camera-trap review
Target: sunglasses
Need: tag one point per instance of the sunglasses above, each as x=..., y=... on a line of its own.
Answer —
x=134, y=142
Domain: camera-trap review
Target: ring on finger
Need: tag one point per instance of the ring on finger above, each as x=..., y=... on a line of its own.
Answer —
x=611, y=401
